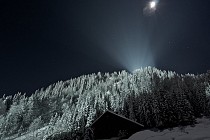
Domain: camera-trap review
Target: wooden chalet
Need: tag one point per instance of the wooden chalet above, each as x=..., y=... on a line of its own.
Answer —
x=110, y=125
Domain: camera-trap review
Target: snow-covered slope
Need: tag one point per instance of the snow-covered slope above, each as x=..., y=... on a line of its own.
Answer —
x=148, y=96
x=38, y=134
x=200, y=131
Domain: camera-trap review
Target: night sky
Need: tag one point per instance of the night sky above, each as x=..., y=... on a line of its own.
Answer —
x=44, y=41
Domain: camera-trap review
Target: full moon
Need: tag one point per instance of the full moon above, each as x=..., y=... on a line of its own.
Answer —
x=152, y=4
x=150, y=8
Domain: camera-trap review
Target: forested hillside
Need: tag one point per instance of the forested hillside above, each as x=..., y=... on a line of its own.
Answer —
x=149, y=96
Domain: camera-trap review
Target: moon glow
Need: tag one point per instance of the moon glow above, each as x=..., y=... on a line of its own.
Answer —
x=152, y=4
x=150, y=8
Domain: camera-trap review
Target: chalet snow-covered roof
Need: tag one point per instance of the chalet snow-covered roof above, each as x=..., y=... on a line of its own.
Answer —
x=111, y=112
x=110, y=125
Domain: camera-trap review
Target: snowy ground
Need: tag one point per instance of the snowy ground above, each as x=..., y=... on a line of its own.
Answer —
x=200, y=131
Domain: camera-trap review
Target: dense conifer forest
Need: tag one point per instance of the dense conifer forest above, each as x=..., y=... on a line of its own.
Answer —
x=152, y=97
